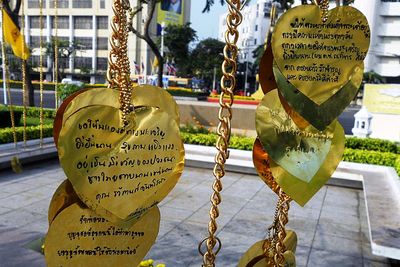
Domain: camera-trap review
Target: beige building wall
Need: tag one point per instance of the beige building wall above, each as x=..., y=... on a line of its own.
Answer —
x=88, y=23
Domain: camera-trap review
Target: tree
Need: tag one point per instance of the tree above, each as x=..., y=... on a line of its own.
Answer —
x=145, y=33
x=177, y=39
x=206, y=57
x=65, y=51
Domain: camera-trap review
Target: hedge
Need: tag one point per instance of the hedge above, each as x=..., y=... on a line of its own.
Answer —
x=236, y=142
x=372, y=144
x=34, y=112
x=6, y=117
x=32, y=132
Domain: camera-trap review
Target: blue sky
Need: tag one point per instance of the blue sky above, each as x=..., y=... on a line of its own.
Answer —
x=206, y=24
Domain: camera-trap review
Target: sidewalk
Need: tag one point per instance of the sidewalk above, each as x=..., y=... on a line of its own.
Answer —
x=332, y=228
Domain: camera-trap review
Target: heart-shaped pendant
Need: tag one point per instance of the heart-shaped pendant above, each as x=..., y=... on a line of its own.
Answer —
x=317, y=57
x=301, y=191
x=266, y=74
x=255, y=257
x=319, y=115
x=121, y=172
x=64, y=197
x=300, y=152
x=79, y=237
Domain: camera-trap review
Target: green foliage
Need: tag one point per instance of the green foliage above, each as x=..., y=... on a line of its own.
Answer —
x=6, y=117
x=177, y=39
x=370, y=157
x=372, y=144
x=65, y=90
x=188, y=128
x=34, y=112
x=206, y=56
x=32, y=132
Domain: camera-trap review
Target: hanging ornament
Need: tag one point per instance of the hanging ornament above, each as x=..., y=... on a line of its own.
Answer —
x=80, y=237
x=319, y=52
x=64, y=197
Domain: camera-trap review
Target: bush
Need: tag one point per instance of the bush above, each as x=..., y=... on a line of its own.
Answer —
x=370, y=157
x=372, y=144
x=32, y=132
x=65, y=90
x=6, y=117
x=34, y=112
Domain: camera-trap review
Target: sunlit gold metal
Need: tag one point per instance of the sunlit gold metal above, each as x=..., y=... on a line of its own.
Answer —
x=302, y=192
x=319, y=115
x=228, y=85
x=261, y=163
x=118, y=74
x=255, y=257
x=64, y=197
x=318, y=57
x=148, y=153
x=301, y=152
x=79, y=237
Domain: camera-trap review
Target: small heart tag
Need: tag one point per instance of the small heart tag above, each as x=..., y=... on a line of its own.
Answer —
x=319, y=57
x=300, y=152
x=79, y=237
x=64, y=197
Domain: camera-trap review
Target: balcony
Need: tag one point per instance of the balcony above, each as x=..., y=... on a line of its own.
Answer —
x=390, y=9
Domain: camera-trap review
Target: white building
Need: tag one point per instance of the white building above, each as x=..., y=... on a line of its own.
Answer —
x=253, y=29
x=86, y=22
x=384, y=53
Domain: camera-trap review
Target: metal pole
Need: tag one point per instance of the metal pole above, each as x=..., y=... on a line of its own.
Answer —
x=3, y=59
x=214, y=79
x=245, y=78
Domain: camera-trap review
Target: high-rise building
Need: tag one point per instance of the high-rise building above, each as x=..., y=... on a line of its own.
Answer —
x=256, y=20
x=87, y=23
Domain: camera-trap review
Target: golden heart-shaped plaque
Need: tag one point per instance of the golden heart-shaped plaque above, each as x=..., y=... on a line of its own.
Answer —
x=319, y=57
x=301, y=191
x=254, y=256
x=300, y=152
x=318, y=115
x=64, y=197
x=121, y=172
x=266, y=74
x=79, y=237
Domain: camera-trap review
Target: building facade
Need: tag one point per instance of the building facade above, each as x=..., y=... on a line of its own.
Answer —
x=87, y=24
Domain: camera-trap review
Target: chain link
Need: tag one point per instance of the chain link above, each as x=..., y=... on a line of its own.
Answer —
x=228, y=85
x=118, y=74
x=324, y=5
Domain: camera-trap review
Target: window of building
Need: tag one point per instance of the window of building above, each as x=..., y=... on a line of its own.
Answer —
x=102, y=43
x=84, y=43
x=256, y=28
x=83, y=22
x=36, y=3
x=35, y=61
x=102, y=63
x=34, y=41
x=62, y=23
x=34, y=22
x=255, y=41
x=60, y=3
x=102, y=22
x=390, y=0
x=102, y=4
x=63, y=63
x=83, y=62
x=82, y=3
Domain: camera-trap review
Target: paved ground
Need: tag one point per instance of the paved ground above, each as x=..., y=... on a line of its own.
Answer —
x=332, y=228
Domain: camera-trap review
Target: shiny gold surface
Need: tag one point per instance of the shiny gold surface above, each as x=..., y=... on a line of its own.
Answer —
x=301, y=191
x=78, y=237
x=266, y=74
x=318, y=57
x=254, y=256
x=261, y=163
x=64, y=197
x=300, y=152
x=228, y=85
x=319, y=115
x=121, y=172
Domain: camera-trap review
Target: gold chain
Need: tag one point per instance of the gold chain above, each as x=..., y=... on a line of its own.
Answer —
x=228, y=85
x=118, y=74
x=56, y=53
x=41, y=70
x=324, y=8
x=23, y=62
x=283, y=219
